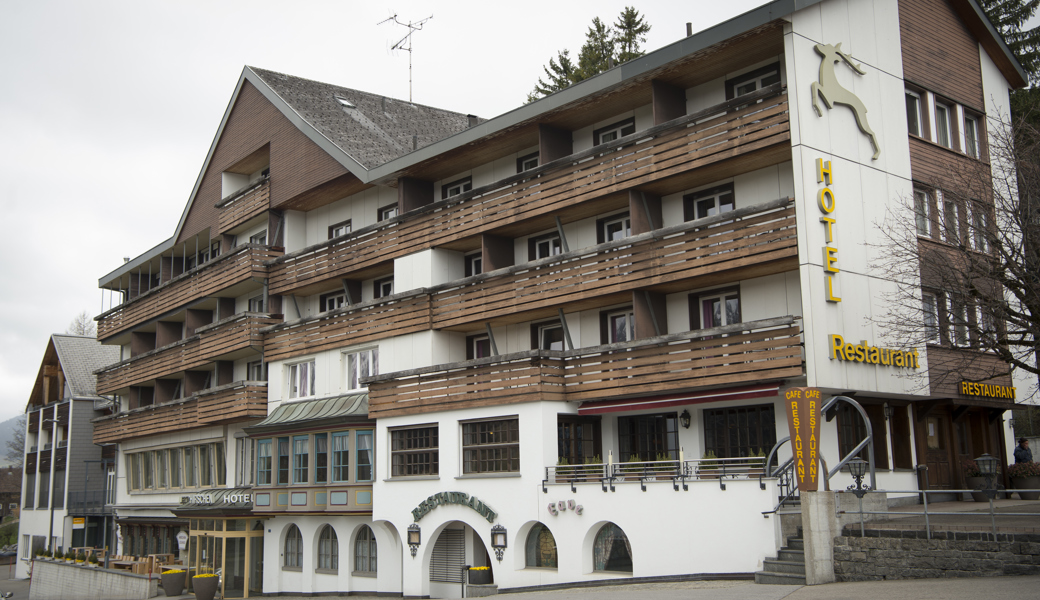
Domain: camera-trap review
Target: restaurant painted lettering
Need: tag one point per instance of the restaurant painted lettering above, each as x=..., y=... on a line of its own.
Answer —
x=459, y=498
x=865, y=353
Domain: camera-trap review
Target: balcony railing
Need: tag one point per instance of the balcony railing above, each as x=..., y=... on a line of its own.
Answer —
x=677, y=472
x=756, y=351
x=235, y=333
x=244, y=205
x=236, y=266
x=92, y=502
x=731, y=129
x=225, y=404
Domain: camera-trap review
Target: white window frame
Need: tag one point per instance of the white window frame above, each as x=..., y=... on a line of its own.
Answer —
x=630, y=325
x=456, y=188
x=978, y=226
x=930, y=317
x=527, y=162
x=474, y=263
x=381, y=288
x=950, y=221
x=353, y=360
x=971, y=124
x=339, y=229
x=957, y=315
x=944, y=129
x=554, y=245
x=245, y=452
x=923, y=212
x=622, y=219
x=542, y=328
x=615, y=131
x=259, y=238
x=387, y=212
x=331, y=301
x=255, y=304
x=255, y=370
x=723, y=297
x=299, y=379
x=917, y=108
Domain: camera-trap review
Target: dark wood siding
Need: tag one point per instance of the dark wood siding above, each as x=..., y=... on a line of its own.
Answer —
x=939, y=53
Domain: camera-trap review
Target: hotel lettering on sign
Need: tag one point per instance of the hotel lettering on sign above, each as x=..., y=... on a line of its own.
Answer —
x=803, y=423
x=827, y=204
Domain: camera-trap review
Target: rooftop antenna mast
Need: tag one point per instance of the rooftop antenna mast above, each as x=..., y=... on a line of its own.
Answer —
x=405, y=43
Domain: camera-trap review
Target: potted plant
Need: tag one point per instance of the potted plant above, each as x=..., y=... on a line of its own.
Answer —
x=205, y=586
x=633, y=468
x=594, y=468
x=709, y=466
x=173, y=582
x=80, y=558
x=1026, y=476
x=974, y=480
x=757, y=465
x=479, y=575
x=92, y=559
x=70, y=556
x=563, y=470
x=665, y=467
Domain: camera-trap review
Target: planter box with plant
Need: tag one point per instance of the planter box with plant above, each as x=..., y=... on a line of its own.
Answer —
x=173, y=582
x=974, y=480
x=708, y=468
x=480, y=575
x=1025, y=476
x=205, y=586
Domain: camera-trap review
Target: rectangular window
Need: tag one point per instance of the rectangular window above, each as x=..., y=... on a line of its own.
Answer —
x=708, y=203
x=189, y=467
x=363, y=363
x=753, y=81
x=341, y=456
x=987, y=326
x=645, y=437
x=26, y=541
x=456, y=187
x=613, y=228
x=547, y=336
x=321, y=458
x=256, y=304
x=255, y=371
x=381, y=288
x=301, y=458
x=259, y=238
x=474, y=264
x=148, y=469
x=617, y=326
x=135, y=471
x=951, y=221
x=175, y=468
x=332, y=301
x=413, y=451
x=526, y=163
x=478, y=346
x=979, y=221
x=913, y=113
x=930, y=315
x=364, y=456
x=387, y=212
x=923, y=213
x=943, y=136
x=614, y=131
x=491, y=446
x=971, y=136
x=220, y=463
x=301, y=380
x=339, y=229
x=283, y=461
x=958, y=316
x=544, y=246
x=161, y=469
x=263, y=462
x=716, y=308
x=205, y=465
x=578, y=439
x=30, y=490
x=45, y=490
x=739, y=431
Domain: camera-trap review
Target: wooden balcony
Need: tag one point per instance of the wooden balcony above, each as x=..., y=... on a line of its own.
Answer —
x=244, y=205
x=719, y=133
x=742, y=353
x=234, y=334
x=741, y=244
x=225, y=404
x=237, y=266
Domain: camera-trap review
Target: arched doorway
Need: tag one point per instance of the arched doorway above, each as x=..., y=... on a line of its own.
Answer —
x=457, y=545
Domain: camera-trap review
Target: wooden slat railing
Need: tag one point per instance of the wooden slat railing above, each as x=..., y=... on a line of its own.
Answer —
x=768, y=349
x=715, y=134
x=238, y=265
x=210, y=342
x=244, y=206
x=749, y=237
x=224, y=404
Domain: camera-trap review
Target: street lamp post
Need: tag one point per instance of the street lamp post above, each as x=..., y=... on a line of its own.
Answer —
x=988, y=467
x=858, y=468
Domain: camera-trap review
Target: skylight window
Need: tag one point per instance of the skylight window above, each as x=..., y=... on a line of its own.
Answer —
x=344, y=102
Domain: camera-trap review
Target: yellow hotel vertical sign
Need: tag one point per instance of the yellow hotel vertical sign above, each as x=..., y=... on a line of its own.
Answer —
x=803, y=422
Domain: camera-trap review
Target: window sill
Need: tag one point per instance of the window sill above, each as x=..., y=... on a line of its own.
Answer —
x=327, y=571
x=487, y=475
x=412, y=478
x=363, y=574
x=293, y=569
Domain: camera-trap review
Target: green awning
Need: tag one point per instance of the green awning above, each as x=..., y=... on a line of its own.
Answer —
x=312, y=412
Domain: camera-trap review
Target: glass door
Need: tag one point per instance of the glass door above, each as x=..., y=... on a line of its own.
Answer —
x=256, y=566
x=235, y=568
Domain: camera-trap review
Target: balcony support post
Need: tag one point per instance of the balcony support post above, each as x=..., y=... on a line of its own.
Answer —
x=563, y=238
x=566, y=330
x=491, y=339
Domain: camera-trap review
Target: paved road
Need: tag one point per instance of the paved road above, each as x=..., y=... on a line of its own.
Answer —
x=1002, y=588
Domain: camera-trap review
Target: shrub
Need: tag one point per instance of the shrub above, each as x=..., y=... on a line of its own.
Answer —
x=1029, y=469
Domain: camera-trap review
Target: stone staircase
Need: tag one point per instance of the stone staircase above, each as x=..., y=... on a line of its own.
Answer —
x=788, y=568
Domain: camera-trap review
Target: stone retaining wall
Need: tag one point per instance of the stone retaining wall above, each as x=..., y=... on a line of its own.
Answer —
x=61, y=580
x=910, y=555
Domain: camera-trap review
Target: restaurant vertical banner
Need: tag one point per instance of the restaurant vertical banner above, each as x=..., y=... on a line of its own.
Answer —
x=803, y=422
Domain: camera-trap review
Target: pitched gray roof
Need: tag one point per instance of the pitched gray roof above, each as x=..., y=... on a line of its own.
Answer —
x=371, y=129
x=80, y=356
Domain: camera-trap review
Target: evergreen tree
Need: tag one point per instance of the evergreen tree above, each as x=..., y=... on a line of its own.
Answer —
x=604, y=47
x=1009, y=17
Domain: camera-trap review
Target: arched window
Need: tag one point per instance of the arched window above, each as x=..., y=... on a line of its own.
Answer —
x=293, y=547
x=612, y=552
x=365, y=551
x=328, y=549
x=541, y=547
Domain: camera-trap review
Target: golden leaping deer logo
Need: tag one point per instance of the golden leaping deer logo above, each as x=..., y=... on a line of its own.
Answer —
x=832, y=93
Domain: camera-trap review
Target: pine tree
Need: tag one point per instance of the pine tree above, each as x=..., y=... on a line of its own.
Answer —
x=1008, y=17
x=631, y=34
x=597, y=54
x=560, y=73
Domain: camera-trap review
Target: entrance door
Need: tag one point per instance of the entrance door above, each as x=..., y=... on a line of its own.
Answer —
x=256, y=565
x=234, y=574
x=937, y=452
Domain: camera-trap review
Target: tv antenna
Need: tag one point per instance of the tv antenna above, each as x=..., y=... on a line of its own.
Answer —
x=405, y=43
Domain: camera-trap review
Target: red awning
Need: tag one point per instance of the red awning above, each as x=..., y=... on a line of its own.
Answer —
x=655, y=402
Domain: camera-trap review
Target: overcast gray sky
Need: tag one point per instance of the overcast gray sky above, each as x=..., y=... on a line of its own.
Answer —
x=107, y=110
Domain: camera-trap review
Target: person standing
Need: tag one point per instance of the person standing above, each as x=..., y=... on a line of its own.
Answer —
x=1022, y=452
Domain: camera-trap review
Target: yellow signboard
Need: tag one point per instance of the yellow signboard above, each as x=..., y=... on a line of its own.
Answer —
x=79, y=522
x=988, y=390
x=803, y=422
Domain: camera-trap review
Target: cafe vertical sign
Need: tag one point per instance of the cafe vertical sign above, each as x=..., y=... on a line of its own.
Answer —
x=803, y=421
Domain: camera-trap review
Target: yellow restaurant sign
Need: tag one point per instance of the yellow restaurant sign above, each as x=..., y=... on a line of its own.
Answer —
x=970, y=388
x=865, y=353
x=803, y=423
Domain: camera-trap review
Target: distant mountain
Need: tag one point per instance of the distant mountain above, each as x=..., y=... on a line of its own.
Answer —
x=7, y=432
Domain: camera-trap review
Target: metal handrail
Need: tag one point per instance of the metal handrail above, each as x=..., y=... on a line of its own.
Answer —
x=676, y=471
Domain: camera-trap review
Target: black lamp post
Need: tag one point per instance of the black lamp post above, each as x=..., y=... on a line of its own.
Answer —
x=988, y=467
x=414, y=538
x=858, y=468
x=498, y=540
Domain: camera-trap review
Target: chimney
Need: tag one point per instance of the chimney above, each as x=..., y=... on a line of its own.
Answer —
x=472, y=120
x=689, y=29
